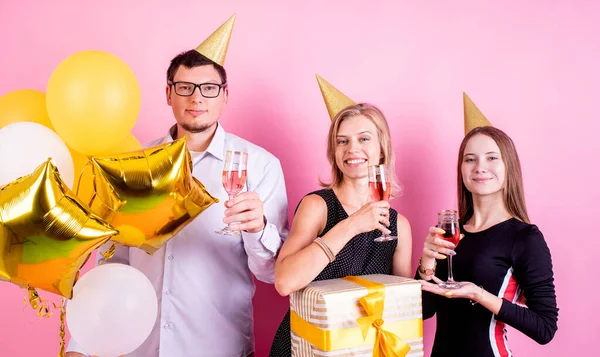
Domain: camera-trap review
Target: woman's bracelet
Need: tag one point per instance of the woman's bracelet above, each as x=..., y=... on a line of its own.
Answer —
x=480, y=297
x=326, y=249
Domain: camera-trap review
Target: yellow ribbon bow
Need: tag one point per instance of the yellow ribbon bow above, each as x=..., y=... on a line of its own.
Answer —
x=387, y=344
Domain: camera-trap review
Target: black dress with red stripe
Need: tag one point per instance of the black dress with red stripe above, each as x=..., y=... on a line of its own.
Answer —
x=512, y=261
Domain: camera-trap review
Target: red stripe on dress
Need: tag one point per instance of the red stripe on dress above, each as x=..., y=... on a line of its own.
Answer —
x=500, y=333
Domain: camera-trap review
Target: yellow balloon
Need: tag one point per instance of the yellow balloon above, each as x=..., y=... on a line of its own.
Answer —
x=93, y=100
x=130, y=143
x=79, y=161
x=24, y=105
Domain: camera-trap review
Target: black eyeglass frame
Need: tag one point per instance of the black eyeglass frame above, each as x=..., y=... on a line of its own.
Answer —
x=199, y=86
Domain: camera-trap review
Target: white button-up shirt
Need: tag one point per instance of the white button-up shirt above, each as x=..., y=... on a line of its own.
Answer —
x=203, y=280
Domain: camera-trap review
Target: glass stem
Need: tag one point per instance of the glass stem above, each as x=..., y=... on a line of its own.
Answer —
x=450, y=276
x=231, y=197
x=385, y=235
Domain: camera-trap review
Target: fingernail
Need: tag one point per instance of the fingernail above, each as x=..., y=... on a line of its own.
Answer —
x=389, y=232
x=442, y=231
x=442, y=256
x=452, y=252
x=448, y=293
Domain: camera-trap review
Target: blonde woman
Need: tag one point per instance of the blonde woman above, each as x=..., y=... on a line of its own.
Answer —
x=333, y=232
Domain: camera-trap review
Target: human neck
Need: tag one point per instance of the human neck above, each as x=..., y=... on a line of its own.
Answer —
x=487, y=211
x=353, y=193
x=196, y=141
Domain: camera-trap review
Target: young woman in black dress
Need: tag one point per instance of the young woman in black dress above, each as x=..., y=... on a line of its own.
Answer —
x=502, y=260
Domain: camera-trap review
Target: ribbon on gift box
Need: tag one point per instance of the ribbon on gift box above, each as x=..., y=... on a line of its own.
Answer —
x=371, y=329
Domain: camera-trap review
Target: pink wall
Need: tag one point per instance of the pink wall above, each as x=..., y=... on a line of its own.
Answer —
x=532, y=69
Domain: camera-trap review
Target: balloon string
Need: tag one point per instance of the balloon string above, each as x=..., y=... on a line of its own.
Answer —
x=63, y=343
x=41, y=306
x=81, y=175
x=94, y=195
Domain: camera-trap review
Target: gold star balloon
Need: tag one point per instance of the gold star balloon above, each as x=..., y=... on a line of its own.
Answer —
x=46, y=232
x=148, y=195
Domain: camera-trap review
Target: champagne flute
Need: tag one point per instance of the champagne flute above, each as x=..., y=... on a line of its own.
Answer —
x=381, y=188
x=448, y=221
x=234, y=179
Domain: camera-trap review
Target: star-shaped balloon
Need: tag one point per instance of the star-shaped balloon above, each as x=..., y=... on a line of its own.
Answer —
x=46, y=232
x=148, y=195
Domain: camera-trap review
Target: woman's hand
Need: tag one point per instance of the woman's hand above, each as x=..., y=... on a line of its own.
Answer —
x=371, y=216
x=435, y=246
x=468, y=290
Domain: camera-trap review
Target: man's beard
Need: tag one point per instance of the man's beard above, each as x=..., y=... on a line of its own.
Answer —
x=195, y=128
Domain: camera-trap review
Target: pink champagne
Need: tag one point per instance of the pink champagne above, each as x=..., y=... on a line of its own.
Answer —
x=234, y=181
x=378, y=192
x=452, y=234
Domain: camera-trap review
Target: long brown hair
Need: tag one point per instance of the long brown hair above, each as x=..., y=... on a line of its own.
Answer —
x=513, y=194
x=385, y=143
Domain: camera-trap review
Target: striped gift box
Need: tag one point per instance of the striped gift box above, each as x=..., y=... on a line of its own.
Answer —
x=329, y=318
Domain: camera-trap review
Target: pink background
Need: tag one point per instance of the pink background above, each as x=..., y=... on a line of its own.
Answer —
x=531, y=67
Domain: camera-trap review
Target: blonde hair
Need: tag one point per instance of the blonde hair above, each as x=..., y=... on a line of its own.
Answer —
x=385, y=143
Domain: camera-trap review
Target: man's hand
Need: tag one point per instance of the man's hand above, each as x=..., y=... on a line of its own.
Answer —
x=246, y=213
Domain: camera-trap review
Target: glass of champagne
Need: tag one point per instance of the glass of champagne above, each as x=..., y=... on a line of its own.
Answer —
x=381, y=188
x=234, y=179
x=448, y=221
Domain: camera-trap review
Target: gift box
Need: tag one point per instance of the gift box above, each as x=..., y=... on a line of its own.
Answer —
x=371, y=315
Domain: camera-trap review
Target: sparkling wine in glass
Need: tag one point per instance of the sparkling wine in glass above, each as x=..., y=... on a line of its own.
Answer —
x=381, y=188
x=448, y=221
x=234, y=179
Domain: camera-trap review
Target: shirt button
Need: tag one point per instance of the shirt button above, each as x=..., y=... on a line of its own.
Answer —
x=168, y=292
x=170, y=257
x=167, y=326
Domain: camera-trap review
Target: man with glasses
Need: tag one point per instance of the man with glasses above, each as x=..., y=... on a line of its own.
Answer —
x=203, y=280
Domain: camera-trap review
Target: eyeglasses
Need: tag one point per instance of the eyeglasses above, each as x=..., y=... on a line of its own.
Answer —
x=207, y=90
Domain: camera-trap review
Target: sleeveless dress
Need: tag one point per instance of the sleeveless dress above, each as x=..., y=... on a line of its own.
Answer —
x=360, y=256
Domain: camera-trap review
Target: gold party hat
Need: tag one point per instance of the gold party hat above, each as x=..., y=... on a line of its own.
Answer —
x=215, y=46
x=473, y=116
x=335, y=100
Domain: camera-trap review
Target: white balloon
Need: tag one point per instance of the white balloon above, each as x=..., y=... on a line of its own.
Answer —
x=113, y=310
x=26, y=145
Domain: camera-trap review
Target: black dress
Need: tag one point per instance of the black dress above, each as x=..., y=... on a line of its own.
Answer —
x=509, y=260
x=360, y=256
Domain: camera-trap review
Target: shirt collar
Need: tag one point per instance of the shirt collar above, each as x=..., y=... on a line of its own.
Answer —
x=216, y=147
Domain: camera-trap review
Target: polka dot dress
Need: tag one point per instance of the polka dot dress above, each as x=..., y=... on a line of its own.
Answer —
x=360, y=256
